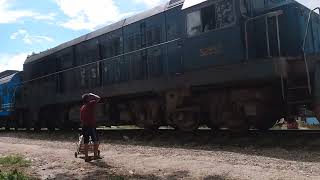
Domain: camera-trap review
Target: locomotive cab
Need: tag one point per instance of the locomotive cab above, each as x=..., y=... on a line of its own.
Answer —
x=212, y=29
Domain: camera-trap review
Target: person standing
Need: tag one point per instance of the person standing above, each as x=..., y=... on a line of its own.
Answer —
x=88, y=120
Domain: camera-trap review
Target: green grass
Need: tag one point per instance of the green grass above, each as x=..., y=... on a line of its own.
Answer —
x=13, y=175
x=14, y=160
x=12, y=168
x=116, y=178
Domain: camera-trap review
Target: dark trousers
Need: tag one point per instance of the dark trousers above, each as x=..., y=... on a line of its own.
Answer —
x=89, y=132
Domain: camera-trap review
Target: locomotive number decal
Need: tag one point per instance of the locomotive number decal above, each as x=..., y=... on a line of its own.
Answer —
x=208, y=51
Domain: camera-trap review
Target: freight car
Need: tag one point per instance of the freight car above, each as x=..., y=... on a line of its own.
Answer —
x=9, y=90
x=223, y=63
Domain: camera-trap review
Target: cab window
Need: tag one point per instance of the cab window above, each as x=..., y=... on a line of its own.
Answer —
x=215, y=16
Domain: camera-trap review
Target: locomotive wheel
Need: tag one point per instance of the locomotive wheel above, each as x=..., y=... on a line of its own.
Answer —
x=143, y=122
x=185, y=120
x=214, y=109
x=215, y=118
x=50, y=124
x=147, y=116
x=37, y=128
x=235, y=122
x=316, y=111
x=265, y=123
x=234, y=117
x=266, y=117
x=7, y=125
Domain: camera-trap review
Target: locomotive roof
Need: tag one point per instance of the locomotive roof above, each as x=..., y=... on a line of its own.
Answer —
x=6, y=79
x=7, y=73
x=118, y=25
x=106, y=29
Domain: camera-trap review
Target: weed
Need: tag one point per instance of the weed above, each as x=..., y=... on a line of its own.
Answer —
x=12, y=168
x=14, y=160
x=13, y=175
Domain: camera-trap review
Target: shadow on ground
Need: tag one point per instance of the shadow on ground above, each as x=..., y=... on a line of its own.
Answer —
x=109, y=173
x=292, y=146
x=106, y=174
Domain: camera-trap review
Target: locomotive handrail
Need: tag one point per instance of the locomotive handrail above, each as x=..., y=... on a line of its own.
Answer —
x=95, y=62
x=304, y=48
x=12, y=100
x=266, y=16
x=8, y=105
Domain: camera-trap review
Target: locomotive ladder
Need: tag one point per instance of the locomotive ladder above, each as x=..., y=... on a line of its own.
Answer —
x=300, y=93
x=304, y=48
x=294, y=92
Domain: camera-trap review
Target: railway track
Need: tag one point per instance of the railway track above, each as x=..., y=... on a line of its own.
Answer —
x=203, y=139
x=163, y=130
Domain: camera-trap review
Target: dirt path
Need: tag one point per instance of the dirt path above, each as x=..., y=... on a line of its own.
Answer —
x=55, y=160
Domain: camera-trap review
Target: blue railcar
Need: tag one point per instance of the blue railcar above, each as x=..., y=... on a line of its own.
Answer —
x=9, y=87
x=223, y=63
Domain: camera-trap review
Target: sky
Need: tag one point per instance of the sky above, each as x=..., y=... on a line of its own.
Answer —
x=28, y=26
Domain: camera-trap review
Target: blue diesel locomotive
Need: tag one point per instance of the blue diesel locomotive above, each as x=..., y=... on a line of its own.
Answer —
x=224, y=63
x=9, y=87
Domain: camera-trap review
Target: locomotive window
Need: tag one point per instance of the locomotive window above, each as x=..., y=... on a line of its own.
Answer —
x=244, y=5
x=110, y=46
x=173, y=1
x=194, y=23
x=208, y=16
x=218, y=15
x=153, y=36
x=65, y=58
x=66, y=61
x=174, y=23
x=225, y=14
x=133, y=42
x=258, y=4
x=143, y=34
x=87, y=52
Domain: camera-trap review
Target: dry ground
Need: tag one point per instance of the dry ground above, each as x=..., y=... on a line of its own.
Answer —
x=52, y=157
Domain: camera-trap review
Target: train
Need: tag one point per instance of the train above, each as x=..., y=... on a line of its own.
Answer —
x=236, y=64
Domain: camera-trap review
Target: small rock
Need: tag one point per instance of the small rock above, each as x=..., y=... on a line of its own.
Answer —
x=131, y=172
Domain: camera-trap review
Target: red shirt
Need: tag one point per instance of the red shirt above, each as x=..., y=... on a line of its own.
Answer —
x=87, y=114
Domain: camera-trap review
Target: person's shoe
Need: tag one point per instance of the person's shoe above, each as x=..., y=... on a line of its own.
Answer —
x=97, y=157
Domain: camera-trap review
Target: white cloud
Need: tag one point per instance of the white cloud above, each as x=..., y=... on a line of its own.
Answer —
x=29, y=39
x=89, y=14
x=310, y=3
x=8, y=14
x=12, y=61
x=50, y=16
x=150, y=3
